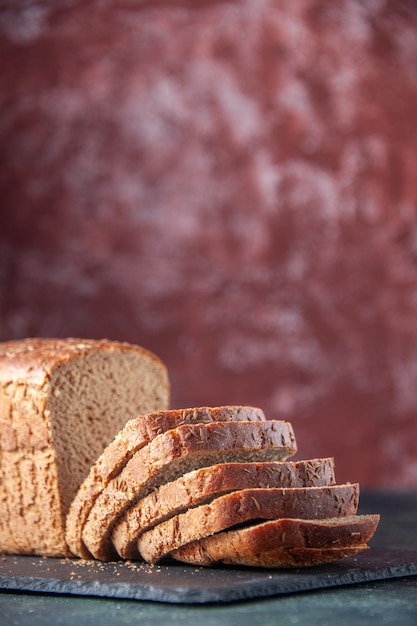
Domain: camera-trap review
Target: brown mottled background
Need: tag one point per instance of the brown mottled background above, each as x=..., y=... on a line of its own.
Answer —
x=232, y=184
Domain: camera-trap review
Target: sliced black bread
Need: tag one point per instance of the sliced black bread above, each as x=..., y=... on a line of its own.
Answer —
x=283, y=543
x=135, y=435
x=243, y=506
x=204, y=484
x=295, y=557
x=171, y=454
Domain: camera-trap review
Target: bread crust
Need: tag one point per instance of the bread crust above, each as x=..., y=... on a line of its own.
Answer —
x=266, y=542
x=135, y=435
x=246, y=505
x=33, y=360
x=202, y=485
x=171, y=454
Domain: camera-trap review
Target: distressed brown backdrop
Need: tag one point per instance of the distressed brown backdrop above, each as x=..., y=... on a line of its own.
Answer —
x=232, y=184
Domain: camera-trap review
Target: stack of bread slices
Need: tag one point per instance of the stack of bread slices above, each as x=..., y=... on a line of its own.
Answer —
x=94, y=464
x=214, y=486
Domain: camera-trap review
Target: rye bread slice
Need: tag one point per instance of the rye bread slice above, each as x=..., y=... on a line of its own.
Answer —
x=204, y=484
x=283, y=558
x=135, y=435
x=266, y=543
x=246, y=505
x=173, y=453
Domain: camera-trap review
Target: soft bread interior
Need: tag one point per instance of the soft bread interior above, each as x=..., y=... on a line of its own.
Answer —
x=92, y=397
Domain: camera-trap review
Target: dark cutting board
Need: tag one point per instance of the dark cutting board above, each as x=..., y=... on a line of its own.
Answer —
x=188, y=584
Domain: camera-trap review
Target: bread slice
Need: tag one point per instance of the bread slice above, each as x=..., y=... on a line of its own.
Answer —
x=61, y=402
x=276, y=543
x=174, y=453
x=135, y=435
x=246, y=505
x=282, y=558
x=204, y=484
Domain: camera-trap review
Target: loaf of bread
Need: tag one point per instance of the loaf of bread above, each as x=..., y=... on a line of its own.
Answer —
x=244, y=506
x=95, y=464
x=61, y=402
x=282, y=542
x=202, y=485
x=174, y=453
x=135, y=435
